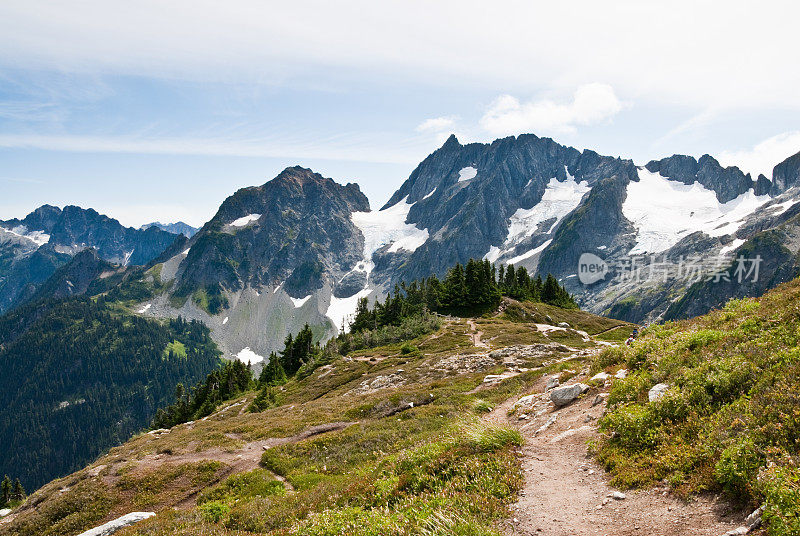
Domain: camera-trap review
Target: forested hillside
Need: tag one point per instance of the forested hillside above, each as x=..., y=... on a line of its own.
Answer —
x=78, y=377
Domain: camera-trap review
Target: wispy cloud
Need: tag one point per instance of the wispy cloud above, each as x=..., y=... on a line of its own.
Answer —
x=591, y=104
x=339, y=148
x=22, y=180
x=437, y=124
x=765, y=155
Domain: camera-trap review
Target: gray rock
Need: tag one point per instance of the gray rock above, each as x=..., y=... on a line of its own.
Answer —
x=754, y=520
x=739, y=531
x=567, y=394
x=657, y=392
x=618, y=496
x=118, y=524
x=600, y=376
x=564, y=325
x=552, y=383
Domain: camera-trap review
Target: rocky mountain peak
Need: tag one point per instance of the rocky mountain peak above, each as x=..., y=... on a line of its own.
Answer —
x=786, y=174
x=296, y=224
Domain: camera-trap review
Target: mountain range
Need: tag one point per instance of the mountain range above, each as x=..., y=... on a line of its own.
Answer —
x=32, y=248
x=303, y=248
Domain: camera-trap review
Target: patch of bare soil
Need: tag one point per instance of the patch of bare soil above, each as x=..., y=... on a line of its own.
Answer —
x=475, y=335
x=567, y=494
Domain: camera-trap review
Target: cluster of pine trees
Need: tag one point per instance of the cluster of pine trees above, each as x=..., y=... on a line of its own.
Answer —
x=228, y=381
x=11, y=494
x=466, y=290
x=79, y=377
x=299, y=357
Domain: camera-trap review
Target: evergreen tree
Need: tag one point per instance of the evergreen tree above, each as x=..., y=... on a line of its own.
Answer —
x=272, y=373
x=266, y=398
x=364, y=318
x=18, y=492
x=287, y=355
x=550, y=290
x=5, y=491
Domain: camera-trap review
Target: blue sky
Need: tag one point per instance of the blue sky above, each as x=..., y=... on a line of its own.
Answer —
x=159, y=110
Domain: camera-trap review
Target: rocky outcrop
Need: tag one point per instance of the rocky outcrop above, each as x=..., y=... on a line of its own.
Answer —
x=727, y=182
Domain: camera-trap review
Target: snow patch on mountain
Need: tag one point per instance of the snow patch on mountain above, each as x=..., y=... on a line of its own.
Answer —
x=299, y=302
x=665, y=211
x=249, y=357
x=388, y=227
x=531, y=253
x=466, y=174
x=732, y=246
x=430, y=194
x=559, y=199
x=144, y=309
x=39, y=238
x=341, y=310
x=245, y=220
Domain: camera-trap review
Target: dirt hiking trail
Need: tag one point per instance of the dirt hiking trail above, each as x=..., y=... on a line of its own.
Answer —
x=567, y=494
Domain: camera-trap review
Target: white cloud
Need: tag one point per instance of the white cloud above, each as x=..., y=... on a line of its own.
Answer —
x=765, y=155
x=437, y=124
x=253, y=39
x=355, y=149
x=591, y=104
x=514, y=45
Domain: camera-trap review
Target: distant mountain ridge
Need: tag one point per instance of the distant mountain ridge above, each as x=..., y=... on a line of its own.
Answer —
x=175, y=228
x=31, y=249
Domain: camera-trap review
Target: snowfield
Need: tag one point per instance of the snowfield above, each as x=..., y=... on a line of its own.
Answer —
x=299, y=302
x=388, y=226
x=559, y=199
x=245, y=220
x=249, y=357
x=665, y=211
x=341, y=310
x=39, y=238
x=467, y=173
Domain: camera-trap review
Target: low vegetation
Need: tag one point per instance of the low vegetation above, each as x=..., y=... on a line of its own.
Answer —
x=730, y=419
x=385, y=441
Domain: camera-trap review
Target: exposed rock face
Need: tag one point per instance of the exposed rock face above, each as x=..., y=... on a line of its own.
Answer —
x=786, y=174
x=466, y=217
x=294, y=229
x=118, y=524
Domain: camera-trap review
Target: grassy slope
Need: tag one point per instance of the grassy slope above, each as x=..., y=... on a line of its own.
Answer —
x=731, y=419
x=430, y=468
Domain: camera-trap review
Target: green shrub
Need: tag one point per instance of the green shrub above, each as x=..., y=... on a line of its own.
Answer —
x=214, y=511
